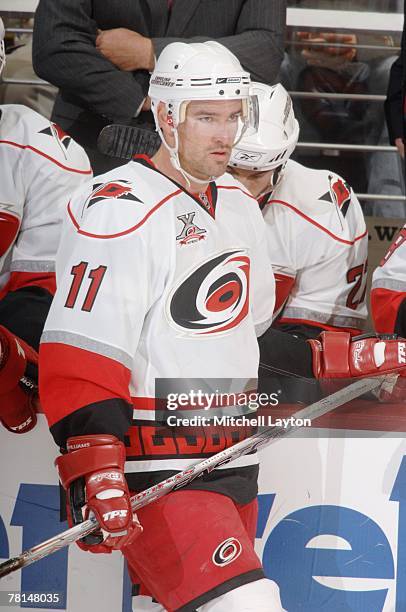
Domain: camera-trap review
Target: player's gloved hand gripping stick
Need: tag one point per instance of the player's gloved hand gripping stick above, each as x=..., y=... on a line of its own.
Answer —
x=337, y=355
x=92, y=473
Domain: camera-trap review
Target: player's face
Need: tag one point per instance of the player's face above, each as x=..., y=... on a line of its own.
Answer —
x=207, y=135
x=256, y=182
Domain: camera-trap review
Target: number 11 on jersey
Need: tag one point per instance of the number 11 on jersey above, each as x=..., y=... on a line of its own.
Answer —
x=96, y=277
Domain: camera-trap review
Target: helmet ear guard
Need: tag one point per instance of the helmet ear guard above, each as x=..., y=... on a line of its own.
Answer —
x=277, y=175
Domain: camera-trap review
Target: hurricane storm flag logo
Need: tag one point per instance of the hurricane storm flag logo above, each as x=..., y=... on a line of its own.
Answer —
x=338, y=194
x=117, y=190
x=62, y=138
x=341, y=192
x=214, y=297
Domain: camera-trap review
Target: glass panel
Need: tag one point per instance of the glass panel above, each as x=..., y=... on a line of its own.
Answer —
x=338, y=80
x=379, y=6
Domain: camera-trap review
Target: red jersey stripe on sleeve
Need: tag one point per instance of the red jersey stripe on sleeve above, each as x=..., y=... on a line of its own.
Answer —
x=9, y=225
x=385, y=305
x=283, y=287
x=87, y=171
x=130, y=229
x=18, y=280
x=71, y=378
x=320, y=227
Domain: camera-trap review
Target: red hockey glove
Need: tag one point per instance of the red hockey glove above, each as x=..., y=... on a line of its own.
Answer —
x=18, y=394
x=338, y=355
x=92, y=472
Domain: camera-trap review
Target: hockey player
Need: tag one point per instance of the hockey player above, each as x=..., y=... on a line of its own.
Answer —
x=316, y=231
x=39, y=169
x=388, y=298
x=163, y=274
x=388, y=291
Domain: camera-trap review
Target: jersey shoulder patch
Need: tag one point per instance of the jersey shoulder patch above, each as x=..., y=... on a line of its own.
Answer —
x=313, y=189
x=320, y=197
x=24, y=129
x=120, y=202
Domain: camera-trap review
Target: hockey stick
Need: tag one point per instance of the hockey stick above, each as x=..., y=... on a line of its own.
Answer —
x=126, y=140
x=144, y=498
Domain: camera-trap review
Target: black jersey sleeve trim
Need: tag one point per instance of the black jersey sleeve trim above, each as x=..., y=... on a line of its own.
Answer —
x=284, y=352
x=24, y=311
x=111, y=416
x=300, y=330
x=400, y=324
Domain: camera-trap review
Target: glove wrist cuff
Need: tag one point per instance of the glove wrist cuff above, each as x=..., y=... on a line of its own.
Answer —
x=13, y=360
x=99, y=453
x=330, y=355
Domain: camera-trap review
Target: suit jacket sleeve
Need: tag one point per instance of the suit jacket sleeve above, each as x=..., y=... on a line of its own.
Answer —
x=258, y=39
x=394, y=98
x=64, y=54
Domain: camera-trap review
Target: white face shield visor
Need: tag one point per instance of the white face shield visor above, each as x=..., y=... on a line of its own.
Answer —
x=252, y=105
x=247, y=120
x=2, y=48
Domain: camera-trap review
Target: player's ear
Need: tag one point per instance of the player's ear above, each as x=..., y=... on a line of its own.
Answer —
x=165, y=122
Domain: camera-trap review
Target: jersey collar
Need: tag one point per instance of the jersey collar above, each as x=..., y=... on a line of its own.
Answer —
x=207, y=200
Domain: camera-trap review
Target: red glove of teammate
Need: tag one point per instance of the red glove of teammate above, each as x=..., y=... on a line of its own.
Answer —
x=18, y=394
x=338, y=355
x=92, y=472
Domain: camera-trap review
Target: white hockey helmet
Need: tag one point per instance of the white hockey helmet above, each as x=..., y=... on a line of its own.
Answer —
x=2, y=47
x=277, y=135
x=199, y=71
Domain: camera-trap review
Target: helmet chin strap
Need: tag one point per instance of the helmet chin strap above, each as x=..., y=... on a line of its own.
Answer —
x=174, y=153
x=273, y=184
x=175, y=161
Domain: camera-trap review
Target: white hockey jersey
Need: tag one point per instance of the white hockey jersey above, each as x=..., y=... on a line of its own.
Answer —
x=40, y=167
x=154, y=283
x=388, y=290
x=318, y=243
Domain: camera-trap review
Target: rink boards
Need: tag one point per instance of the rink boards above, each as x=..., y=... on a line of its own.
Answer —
x=332, y=510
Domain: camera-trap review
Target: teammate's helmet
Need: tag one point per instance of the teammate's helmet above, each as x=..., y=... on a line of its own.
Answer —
x=2, y=48
x=277, y=135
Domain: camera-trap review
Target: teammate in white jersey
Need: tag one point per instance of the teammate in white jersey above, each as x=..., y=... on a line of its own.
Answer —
x=40, y=167
x=163, y=273
x=388, y=291
x=388, y=296
x=316, y=231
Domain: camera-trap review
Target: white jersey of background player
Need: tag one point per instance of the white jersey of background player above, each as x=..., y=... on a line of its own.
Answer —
x=388, y=291
x=162, y=273
x=316, y=231
x=40, y=167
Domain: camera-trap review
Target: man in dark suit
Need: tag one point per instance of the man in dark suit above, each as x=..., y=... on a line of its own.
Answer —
x=395, y=101
x=100, y=53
